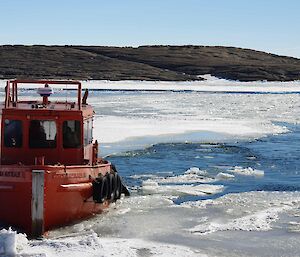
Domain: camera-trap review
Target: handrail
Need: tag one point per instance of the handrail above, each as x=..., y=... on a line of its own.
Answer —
x=15, y=82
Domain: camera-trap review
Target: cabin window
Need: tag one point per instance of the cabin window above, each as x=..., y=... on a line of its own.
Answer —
x=71, y=134
x=42, y=134
x=13, y=133
x=88, y=131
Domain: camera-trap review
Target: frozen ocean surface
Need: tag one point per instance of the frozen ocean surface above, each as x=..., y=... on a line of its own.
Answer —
x=213, y=169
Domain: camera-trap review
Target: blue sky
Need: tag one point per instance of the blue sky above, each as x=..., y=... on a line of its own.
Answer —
x=268, y=25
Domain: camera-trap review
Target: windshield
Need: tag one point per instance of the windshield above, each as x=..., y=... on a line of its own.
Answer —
x=42, y=134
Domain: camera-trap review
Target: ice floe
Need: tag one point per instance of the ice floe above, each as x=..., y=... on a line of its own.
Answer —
x=192, y=182
x=247, y=171
x=7, y=242
x=192, y=175
x=196, y=171
x=152, y=187
x=224, y=176
x=185, y=178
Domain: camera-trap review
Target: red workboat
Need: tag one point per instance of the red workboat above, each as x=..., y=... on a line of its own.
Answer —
x=50, y=172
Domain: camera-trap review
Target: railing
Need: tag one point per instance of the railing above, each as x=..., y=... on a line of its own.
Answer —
x=11, y=89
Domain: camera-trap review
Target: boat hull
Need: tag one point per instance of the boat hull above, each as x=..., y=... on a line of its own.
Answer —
x=36, y=199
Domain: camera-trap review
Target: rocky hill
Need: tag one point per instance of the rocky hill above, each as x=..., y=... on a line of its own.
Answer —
x=177, y=63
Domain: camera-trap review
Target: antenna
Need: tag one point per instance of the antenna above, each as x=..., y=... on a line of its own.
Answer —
x=45, y=92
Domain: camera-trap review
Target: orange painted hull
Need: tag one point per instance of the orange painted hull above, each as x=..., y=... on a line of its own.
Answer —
x=67, y=195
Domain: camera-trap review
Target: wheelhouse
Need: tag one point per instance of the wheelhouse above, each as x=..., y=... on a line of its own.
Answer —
x=50, y=132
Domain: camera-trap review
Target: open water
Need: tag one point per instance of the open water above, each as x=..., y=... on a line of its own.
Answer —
x=275, y=157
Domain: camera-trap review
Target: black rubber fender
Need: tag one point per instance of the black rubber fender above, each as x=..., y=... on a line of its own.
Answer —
x=104, y=189
x=118, y=186
x=124, y=190
x=111, y=186
x=100, y=189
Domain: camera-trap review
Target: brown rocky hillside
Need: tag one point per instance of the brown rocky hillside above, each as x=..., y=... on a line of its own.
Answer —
x=177, y=63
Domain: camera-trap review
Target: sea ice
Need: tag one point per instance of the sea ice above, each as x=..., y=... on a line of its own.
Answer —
x=152, y=187
x=193, y=175
x=89, y=244
x=250, y=211
x=196, y=171
x=7, y=242
x=211, y=84
x=258, y=221
x=247, y=171
x=224, y=176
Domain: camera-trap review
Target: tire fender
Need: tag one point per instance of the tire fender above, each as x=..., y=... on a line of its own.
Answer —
x=118, y=186
x=104, y=188
x=111, y=186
